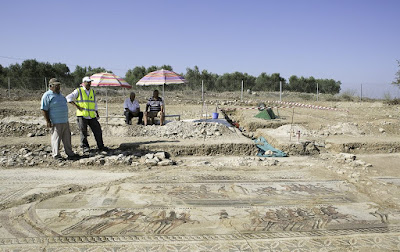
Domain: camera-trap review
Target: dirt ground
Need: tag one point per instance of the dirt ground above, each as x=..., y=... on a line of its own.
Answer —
x=198, y=185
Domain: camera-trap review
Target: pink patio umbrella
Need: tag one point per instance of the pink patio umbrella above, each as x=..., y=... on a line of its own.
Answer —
x=161, y=78
x=108, y=80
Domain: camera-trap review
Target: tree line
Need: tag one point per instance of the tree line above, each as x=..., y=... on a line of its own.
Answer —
x=31, y=74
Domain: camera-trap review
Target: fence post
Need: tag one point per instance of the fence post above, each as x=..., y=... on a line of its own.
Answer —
x=241, y=93
x=202, y=99
x=361, y=94
x=45, y=84
x=280, y=90
x=202, y=90
x=317, y=91
x=9, y=88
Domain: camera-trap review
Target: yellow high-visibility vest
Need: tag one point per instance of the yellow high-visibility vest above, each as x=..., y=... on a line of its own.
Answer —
x=88, y=104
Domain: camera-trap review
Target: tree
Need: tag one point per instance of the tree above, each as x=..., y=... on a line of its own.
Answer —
x=2, y=76
x=78, y=74
x=209, y=79
x=81, y=72
x=232, y=81
x=261, y=82
x=193, y=77
x=397, y=80
x=134, y=75
x=276, y=80
x=151, y=69
x=166, y=67
x=328, y=86
x=91, y=71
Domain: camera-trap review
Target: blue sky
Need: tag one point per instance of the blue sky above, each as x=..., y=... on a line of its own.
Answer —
x=354, y=41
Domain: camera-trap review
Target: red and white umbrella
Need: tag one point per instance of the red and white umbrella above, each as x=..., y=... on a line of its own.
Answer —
x=108, y=80
x=161, y=77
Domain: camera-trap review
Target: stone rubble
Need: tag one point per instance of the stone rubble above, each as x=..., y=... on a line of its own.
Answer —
x=18, y=129
x=180, y=130
x=352, y=168
x=35, y=155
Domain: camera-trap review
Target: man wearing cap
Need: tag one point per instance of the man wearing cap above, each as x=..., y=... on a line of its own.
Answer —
x=84, y=99
x=55, y=111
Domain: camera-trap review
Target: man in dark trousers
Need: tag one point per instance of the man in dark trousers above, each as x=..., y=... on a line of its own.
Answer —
x=132, y=109
x=84, y=99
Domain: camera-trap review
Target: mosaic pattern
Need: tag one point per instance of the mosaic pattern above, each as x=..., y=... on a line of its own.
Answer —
x=203, y=213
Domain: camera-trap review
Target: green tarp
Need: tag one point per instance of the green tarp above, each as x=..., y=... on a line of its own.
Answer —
x=266, y=114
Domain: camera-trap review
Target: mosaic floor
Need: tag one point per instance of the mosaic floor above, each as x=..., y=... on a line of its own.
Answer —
x=282, y=208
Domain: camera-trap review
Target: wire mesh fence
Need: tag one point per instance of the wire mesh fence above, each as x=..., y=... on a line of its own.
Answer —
x=14, y=85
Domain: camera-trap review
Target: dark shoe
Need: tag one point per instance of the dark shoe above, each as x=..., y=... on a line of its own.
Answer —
x=74, y=157
x=104, y=149
x=85, y=150
x=58, y=158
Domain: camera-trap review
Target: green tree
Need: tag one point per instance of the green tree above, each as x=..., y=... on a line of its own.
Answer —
x=78, y=74
x=265, y=82
x=151, y=69
x=193, y=77
x=302, y=84
x=3, y=77
x=134, y=75
x=166, y=67
x=329, y=86
x=262, y=81
x=91, y=71
x=232, y=81
x=81, y=72
x=209, y=80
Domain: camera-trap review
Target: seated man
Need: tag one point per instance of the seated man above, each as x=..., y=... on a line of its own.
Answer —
x=132, y=109
x=156, y=106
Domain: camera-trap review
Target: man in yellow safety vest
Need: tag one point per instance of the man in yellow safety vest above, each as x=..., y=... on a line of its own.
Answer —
x=84, y=99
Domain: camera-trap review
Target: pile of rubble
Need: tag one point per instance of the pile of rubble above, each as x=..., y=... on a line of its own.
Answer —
x=127, y=158
x=40, y=155
x=175, y=130
x=352, y=168
x=18, y=129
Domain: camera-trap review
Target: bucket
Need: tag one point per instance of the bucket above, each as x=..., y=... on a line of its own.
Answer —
x=214, y=115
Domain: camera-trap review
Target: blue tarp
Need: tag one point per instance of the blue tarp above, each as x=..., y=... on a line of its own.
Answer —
x=263, y=146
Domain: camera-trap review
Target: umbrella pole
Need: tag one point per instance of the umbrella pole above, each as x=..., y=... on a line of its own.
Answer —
x=163, y=94
x=163, y=91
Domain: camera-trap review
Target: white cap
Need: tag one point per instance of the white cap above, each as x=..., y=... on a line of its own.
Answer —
x=86, y=79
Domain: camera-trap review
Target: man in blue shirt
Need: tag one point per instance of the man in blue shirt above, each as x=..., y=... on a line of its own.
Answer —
x=55, y=111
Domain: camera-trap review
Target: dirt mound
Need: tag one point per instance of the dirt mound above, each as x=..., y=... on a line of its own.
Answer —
x=173, y=130
x=18, y=129
x=16, y=112
x=287, y=130
x=342, y=129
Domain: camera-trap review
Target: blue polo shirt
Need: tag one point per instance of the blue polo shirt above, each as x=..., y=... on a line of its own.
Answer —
x=56, y=105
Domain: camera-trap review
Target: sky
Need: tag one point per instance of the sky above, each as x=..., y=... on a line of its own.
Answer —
x=356, y=42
